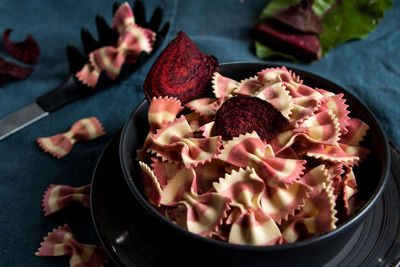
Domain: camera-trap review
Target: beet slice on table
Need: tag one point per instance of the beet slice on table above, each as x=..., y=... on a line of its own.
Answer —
x=11, y=71
x=26, y=51
x=300, y=16
x=283, y=38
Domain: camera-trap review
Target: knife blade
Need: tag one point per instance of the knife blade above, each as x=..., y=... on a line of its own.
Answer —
x=21, y=118
x=65, y=93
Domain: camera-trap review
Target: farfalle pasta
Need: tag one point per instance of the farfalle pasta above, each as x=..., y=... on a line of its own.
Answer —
x=132, y=41
x=253, y=185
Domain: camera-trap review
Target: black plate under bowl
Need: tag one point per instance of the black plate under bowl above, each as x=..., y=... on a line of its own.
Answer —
x=375, y=243
x=152, y=240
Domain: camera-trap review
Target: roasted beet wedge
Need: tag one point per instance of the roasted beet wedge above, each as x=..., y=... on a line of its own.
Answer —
x=245, y=114
x=181, y=71
x=283, y=38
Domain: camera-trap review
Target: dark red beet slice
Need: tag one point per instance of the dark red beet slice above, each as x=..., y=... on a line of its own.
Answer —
x=285, y=39
x=245, y=114
x=12, y=71
x=181, y=71
x=26, y=51
x=300, y=16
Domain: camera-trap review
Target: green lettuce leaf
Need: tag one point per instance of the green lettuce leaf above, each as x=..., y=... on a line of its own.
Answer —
x=348, y=20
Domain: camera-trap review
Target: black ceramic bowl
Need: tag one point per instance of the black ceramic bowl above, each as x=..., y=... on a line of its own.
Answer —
x=162, y=243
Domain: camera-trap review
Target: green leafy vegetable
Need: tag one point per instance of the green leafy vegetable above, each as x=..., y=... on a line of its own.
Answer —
x=273, y=6
x=263, y=51
x=351, y=20
x=346, y=21
x=320, y=7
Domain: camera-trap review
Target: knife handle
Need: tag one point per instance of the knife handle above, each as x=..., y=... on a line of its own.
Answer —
x=67, y=92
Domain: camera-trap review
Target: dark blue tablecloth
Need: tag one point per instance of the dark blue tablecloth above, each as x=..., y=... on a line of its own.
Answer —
x=369, y=68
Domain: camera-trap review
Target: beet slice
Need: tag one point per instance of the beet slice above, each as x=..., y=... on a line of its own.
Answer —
x=26, y=51
x=300, y=16
x=285, y=39
x=245, y=114
x=12, y=71
x=181, y=71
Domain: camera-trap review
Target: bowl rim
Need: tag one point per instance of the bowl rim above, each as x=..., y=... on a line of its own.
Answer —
x=362, y=212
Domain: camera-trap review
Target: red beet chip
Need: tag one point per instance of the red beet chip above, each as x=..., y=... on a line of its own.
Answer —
x=26, y=51
x=12, y=71
x=181, y=71
x=245, y=114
